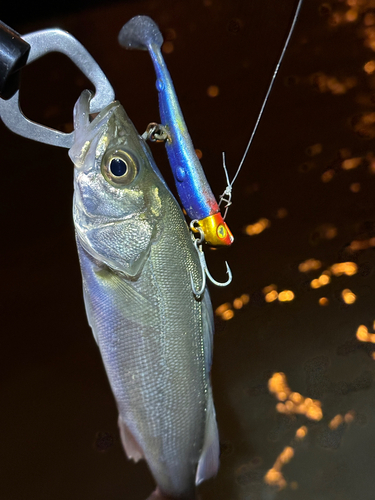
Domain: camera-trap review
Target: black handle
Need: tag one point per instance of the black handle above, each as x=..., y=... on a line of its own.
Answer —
x=13, y=56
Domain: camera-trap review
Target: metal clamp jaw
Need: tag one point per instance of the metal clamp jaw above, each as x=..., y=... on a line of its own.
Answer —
x=41, y=43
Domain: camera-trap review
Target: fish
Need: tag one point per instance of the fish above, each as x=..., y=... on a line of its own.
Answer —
x=138, y=263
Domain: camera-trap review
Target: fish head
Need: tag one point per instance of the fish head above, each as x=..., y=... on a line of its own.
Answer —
x=118, y=190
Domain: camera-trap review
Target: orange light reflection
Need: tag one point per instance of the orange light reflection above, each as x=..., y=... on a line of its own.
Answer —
x=309, y=265
x=258, y=227
x=294, y=402
x=348, y=296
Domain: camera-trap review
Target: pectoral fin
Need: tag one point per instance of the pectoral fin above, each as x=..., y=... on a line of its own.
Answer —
x=209, y=461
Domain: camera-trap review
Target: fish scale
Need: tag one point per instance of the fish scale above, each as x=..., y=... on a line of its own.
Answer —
x=160, y=405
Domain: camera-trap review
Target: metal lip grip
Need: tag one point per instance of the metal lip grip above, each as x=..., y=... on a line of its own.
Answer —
x=194, y=191
x=41, y=43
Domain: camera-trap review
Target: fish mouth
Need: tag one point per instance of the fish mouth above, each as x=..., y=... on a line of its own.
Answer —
x=82, y=110
x=88, y=128
x=104, y=114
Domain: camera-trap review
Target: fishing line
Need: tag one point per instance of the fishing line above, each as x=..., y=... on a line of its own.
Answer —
x=226, y=196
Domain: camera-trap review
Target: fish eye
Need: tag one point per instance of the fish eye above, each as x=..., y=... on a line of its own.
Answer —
x=119, y=167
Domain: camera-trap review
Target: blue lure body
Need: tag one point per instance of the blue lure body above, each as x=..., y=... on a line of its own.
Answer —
x=194, y=191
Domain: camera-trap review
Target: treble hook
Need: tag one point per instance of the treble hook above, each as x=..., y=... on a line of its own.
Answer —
x=205, y=271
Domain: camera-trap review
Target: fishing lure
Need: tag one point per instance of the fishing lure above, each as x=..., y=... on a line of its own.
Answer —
x=195, y=194
x=142, y=33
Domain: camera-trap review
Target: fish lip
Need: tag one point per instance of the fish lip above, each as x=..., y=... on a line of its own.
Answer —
x=82, y=108
x=103, y=113
x=87, y=133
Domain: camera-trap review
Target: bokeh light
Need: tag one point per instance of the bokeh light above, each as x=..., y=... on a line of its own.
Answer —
x=348, y=296
x=213, y=91
x=258, y=227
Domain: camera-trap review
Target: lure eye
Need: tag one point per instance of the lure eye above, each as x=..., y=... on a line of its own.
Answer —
x=119, y=167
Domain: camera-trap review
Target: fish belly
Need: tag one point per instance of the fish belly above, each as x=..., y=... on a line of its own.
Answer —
x=150, y=334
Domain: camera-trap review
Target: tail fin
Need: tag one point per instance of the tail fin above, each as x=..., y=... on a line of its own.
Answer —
x=140, y=32
x=157, y=495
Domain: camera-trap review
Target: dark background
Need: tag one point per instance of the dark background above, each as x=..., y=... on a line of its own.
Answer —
x=58, y=420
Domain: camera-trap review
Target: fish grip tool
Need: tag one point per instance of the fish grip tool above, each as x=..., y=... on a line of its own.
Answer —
x=17, y=52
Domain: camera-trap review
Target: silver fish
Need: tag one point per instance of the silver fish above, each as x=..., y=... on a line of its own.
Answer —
x=155, y=336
